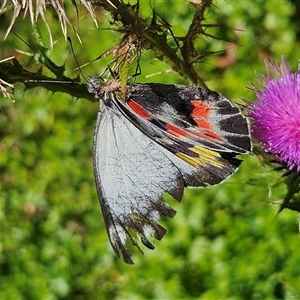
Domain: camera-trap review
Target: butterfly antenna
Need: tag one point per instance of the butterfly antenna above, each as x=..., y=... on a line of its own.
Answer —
x=77, y=63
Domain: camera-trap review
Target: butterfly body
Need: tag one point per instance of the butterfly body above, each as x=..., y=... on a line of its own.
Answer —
x=157, y=138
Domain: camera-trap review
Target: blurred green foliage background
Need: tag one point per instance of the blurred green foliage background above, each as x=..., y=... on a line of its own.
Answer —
x=226, y=242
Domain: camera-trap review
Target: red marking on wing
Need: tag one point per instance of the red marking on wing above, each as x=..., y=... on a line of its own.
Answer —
x=208, y=134
x=200, y=114
x=201, y=111
x=176, y=131
x=138, y=109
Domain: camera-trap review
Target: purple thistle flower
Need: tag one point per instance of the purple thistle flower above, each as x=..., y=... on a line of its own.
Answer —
x=276, y=114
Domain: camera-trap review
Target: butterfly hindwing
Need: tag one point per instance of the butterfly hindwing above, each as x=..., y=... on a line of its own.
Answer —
x=131, y=176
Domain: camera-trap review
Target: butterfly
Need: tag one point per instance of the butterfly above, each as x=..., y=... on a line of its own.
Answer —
x=153, y=139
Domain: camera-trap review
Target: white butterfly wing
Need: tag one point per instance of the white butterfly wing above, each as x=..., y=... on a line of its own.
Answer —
x=132, y=173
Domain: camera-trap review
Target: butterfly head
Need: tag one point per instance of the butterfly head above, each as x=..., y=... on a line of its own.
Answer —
x=100, y=87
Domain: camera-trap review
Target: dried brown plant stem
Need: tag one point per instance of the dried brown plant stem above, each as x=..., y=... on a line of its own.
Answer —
x=155, y=38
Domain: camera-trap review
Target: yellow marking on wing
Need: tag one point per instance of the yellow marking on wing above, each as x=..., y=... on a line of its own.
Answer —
x=205, y=157
x=194, y=161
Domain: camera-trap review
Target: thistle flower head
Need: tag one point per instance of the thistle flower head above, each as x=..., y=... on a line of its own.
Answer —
x=276, y=114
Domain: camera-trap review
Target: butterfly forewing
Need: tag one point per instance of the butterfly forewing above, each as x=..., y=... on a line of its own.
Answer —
x=215, y=122
x=159, y=139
